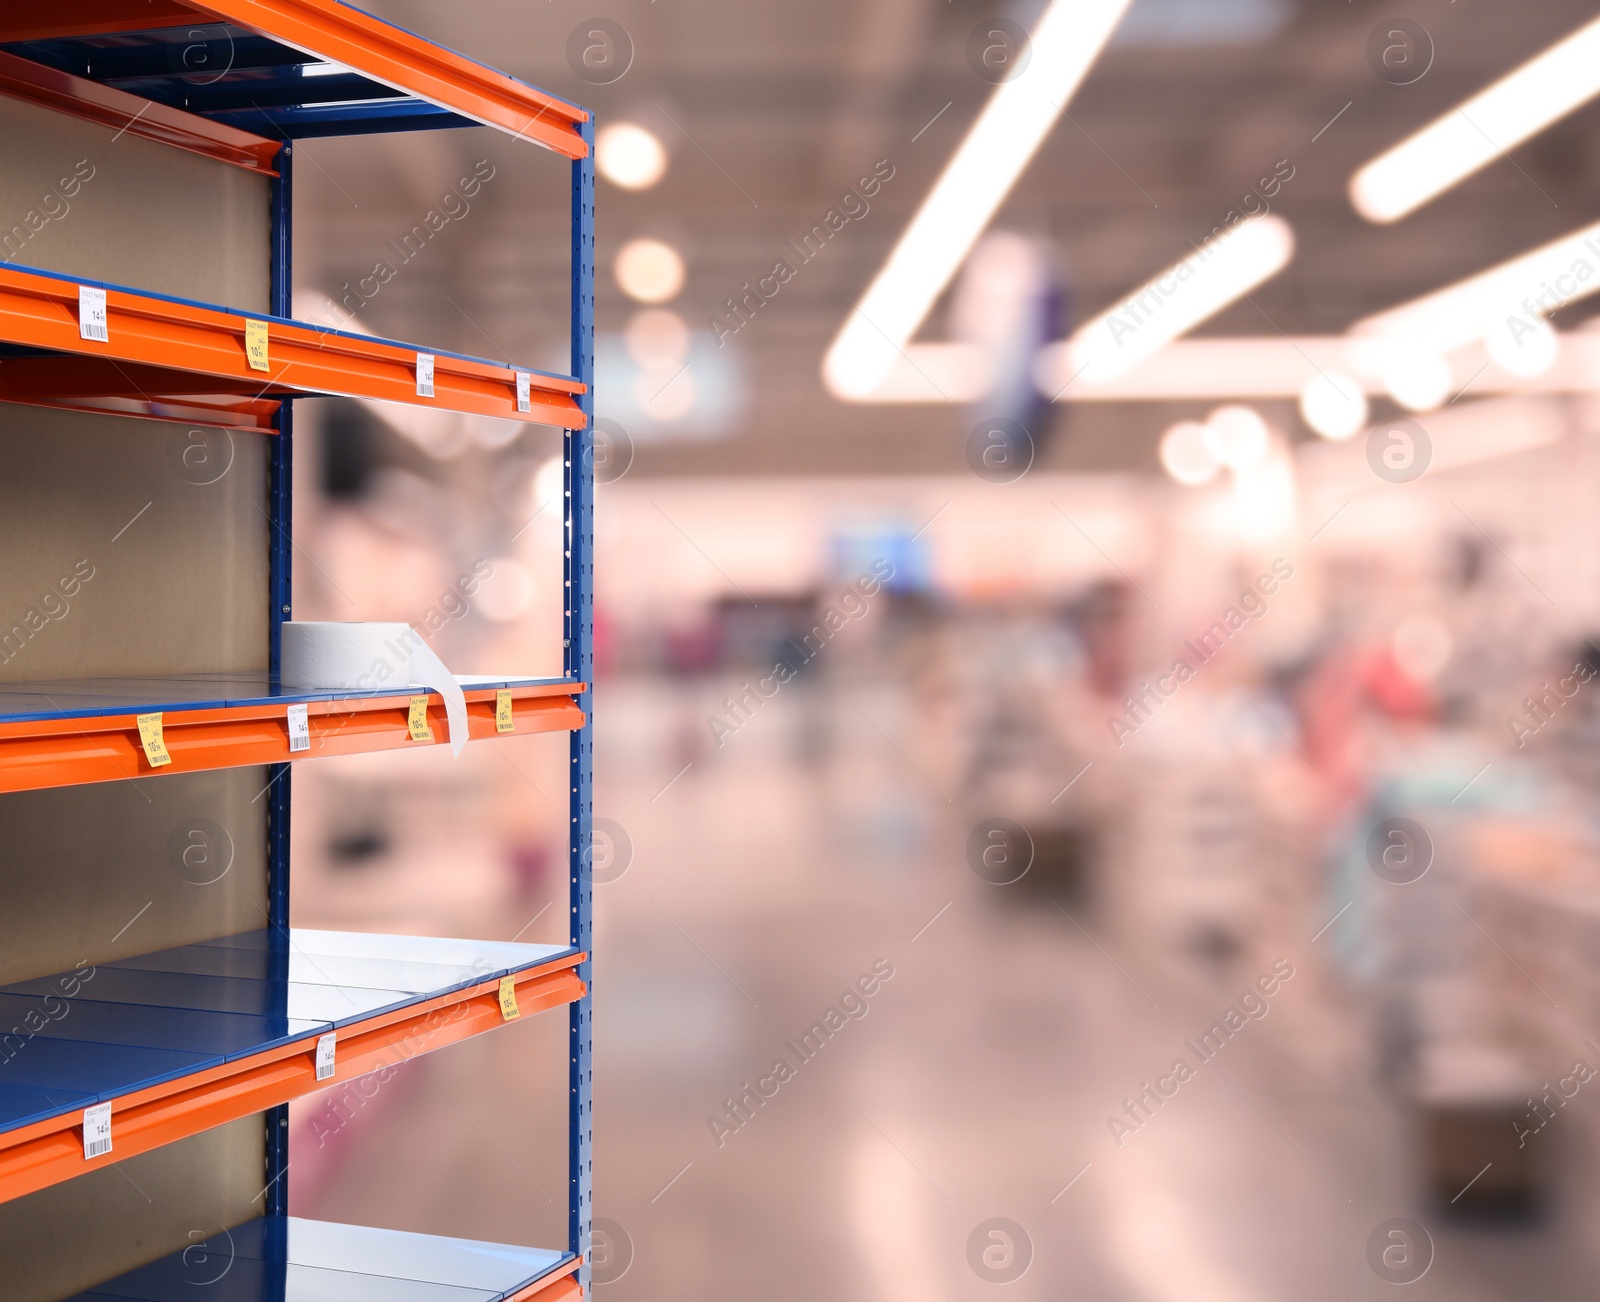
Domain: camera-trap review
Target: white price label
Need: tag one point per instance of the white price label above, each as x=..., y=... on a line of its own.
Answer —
x=325, y=1056
x=524, y=391
x=92, y=314
x=96, y=1131
x=299, y=729
x=424, y=375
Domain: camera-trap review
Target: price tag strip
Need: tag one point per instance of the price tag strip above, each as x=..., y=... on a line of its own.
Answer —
x=503, y=722
x=96, y=1131
x=154, y=743
x=299, y=729
x=92, y=314
x=325, y=1049
x=255, y=344
x=418, y=722
x=509, y=1012
x=524, y=391
x=424, y=375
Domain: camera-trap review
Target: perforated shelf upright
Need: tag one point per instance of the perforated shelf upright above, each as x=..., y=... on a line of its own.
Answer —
x=142, y=696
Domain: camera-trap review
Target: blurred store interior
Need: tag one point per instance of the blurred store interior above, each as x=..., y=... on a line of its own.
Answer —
x=1098, y=569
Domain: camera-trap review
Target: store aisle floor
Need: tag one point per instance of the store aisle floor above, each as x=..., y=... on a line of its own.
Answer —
x=846, y=1067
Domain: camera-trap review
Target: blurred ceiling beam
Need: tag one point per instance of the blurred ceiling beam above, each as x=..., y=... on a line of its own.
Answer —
x=888, y=47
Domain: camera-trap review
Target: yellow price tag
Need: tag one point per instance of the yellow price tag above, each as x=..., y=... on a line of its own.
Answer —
x=418, y=722
x=508, y=1000
x=502, y=711
x=255, y=344
x=155, y=746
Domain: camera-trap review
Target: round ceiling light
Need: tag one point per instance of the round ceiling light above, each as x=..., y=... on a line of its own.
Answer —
x=629, y=156
x=649, y=270
x=1333, y=405
x=1186, y=454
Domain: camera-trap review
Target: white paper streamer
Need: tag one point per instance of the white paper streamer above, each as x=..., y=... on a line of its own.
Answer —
x=370, y=657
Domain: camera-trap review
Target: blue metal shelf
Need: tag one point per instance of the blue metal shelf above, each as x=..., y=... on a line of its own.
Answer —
x=151, y=1019
x=288, y=1259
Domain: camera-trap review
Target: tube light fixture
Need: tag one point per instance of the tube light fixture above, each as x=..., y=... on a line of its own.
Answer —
x=976, y=181
x=1180, y=298
x=1513, y=297
x=1472, y=135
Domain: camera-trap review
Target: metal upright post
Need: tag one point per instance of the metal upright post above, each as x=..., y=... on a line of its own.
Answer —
x=579, y=666
x=280, y=513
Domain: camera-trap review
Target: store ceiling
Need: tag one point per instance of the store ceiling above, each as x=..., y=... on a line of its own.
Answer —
x=772, y=110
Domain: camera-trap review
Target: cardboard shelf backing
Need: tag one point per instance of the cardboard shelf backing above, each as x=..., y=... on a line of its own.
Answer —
x=87, y=730
x=276, y=1259
x=185, y=1039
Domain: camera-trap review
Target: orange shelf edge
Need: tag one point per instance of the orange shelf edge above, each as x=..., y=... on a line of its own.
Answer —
x=50, y=1152
x=558, y=1286
x=81, y=98
x=108, y=388
x=35, y=22
x=192, y=339
x=344, y=34
x=73, y=751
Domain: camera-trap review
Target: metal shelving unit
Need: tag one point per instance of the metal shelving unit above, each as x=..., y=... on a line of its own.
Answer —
x=183, y=1040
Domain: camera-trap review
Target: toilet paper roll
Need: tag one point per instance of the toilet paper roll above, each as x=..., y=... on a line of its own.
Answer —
x=369, y=657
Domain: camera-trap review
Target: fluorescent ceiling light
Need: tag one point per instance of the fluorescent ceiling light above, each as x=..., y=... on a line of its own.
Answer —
x=1248, y=366
x=1470, y=433
x=1528, y=354
x=963, y=201
x=1181, y=297
x=1526, y=288
x=1264, y=367
x=933, y=373
x=1446, y=152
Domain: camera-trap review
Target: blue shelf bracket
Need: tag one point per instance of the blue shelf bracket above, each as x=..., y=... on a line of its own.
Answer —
x=579, y=666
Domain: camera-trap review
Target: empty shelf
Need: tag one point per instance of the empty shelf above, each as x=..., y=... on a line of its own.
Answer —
x=58, y=89
x=185, y=1039
x=86, y=730
x=288, y=1259
x=361, y=68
